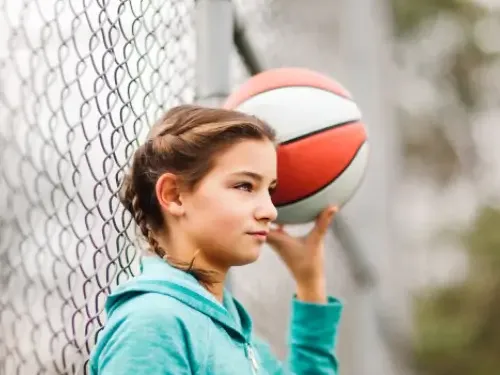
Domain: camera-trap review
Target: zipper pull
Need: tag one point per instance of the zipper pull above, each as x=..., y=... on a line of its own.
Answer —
x=253, y=359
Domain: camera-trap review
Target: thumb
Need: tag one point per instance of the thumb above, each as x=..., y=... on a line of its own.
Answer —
x=322, y=223
x=277, y=236
x=279, y=239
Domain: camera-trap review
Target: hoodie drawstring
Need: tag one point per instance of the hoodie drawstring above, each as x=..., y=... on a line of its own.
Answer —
x=253, y=359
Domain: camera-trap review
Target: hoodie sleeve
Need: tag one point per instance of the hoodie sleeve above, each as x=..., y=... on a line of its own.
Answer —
x=144, y=342
x=312, y=338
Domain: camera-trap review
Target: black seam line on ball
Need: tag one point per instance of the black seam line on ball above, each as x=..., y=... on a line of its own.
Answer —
x=326, y=185
x=319, y=131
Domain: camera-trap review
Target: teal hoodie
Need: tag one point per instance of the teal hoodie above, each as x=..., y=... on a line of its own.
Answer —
x=164, y=322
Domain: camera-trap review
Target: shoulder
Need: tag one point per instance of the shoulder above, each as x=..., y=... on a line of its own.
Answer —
x=152, y=303
x=153, y=323
x=159, y=314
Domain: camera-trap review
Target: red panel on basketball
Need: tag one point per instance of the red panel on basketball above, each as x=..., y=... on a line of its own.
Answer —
x=314, y=161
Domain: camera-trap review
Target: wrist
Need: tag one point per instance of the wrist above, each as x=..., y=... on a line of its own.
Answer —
x=313, y=291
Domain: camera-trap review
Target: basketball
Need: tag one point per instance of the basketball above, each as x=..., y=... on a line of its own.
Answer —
x=322, y=142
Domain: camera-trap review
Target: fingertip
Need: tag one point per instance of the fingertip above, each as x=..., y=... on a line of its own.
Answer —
x=330, y=213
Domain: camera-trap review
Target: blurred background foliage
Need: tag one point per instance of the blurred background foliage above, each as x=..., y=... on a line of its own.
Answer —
x=457, y=326
x=453, y=66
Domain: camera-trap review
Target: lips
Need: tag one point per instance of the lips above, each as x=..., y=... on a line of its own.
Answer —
x=260, y=233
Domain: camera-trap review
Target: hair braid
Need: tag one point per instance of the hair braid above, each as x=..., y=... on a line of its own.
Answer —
x=146, y=231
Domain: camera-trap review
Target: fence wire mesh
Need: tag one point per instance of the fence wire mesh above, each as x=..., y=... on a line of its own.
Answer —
x=80, y=82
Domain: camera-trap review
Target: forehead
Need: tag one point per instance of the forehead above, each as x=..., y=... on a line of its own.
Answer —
x=257, y=156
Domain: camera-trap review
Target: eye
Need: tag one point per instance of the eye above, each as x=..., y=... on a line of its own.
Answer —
x=272, y=190
x=245, y=186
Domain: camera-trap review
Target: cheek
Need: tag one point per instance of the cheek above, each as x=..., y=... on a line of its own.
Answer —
x=220, y=210
x=226, y=214
x=228, y=219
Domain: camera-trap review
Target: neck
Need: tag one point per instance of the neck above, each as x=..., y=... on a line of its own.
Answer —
x=216, y=289
x=208, y=274
x=210, y=277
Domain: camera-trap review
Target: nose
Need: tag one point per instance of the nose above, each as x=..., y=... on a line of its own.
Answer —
x=266, y=211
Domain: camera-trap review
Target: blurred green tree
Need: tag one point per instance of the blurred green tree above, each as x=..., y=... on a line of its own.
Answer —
x=457, y=327
x=456, y=82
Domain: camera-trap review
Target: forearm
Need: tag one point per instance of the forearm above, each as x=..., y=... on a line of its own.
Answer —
x=313, y=334
x=313, y=330
x=312, y=337
x=313, y=291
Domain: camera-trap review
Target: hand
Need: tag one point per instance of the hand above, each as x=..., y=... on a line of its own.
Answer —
x=305, y=256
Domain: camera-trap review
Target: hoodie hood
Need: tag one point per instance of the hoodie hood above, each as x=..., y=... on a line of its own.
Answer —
x=157, y=276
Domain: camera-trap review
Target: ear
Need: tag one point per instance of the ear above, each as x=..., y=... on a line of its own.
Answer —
x=168, y=194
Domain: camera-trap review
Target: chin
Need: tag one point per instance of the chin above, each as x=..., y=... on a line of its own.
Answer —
x=247, y=256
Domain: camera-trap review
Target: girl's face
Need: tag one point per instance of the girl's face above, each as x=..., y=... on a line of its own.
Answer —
x=232, y=203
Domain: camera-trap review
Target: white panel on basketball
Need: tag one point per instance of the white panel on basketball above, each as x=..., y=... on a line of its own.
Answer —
x=338, y=192
x=297, y=111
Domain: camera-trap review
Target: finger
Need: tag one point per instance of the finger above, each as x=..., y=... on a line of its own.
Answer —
x=323, y=223
x=281, y=242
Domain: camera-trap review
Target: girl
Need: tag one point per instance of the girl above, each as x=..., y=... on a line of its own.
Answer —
x=199, y=190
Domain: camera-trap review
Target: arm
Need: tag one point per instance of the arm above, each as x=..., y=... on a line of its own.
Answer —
x=312, y=338
x=143, y=342
x=315, y=317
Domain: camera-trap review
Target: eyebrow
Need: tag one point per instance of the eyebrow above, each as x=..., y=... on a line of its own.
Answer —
x=252, y=175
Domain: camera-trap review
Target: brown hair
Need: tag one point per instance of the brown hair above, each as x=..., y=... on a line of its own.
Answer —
x=185, y=142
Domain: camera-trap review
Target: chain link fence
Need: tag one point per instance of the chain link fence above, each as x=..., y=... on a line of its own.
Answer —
x=80, y=82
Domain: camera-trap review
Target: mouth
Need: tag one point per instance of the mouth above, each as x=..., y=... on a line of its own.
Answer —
x=261, y=235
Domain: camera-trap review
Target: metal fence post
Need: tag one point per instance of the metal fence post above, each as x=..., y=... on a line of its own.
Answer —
x=214, y=33
x=380, y=348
